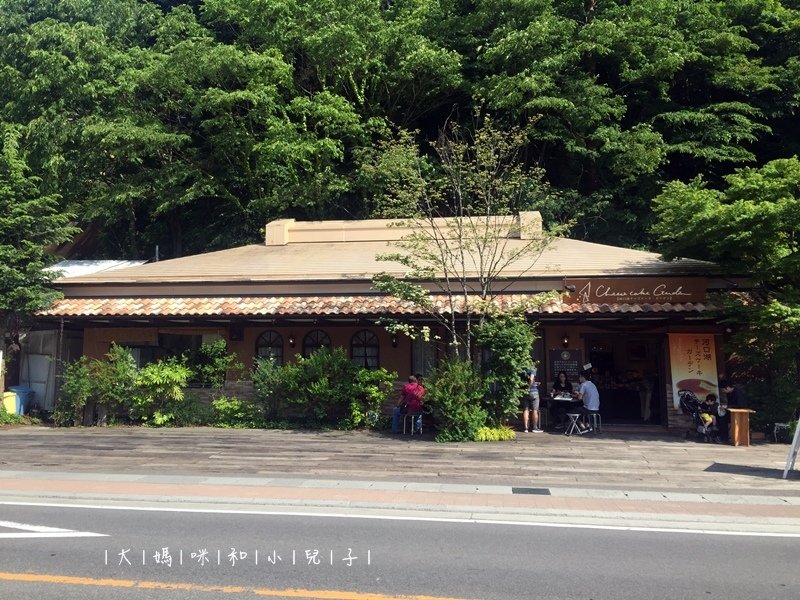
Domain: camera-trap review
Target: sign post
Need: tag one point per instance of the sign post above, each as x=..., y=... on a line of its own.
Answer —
x=790, y=459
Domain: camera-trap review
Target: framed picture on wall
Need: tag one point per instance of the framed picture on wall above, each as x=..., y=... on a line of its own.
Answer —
x=637, y=351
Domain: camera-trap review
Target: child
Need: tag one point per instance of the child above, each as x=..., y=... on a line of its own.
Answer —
x=708, y=411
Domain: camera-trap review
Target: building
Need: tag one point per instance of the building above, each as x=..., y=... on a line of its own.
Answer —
x=632, y=315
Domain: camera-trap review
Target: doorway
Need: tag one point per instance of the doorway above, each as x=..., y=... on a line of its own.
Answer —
x=628, y=372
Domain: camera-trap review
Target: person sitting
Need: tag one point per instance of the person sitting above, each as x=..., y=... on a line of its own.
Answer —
x=708, y=411
x=410, y=401
x=562, y=387
x=588, y=393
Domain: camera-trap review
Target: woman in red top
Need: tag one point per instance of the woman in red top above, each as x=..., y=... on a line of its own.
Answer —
x=410, y=402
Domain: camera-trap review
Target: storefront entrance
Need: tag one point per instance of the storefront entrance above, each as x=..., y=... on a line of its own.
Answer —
x=628, y=371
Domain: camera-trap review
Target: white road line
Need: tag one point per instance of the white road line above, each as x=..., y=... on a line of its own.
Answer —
x=474, y=521
x=65, y=534
x=26, y=527
x=41, y=531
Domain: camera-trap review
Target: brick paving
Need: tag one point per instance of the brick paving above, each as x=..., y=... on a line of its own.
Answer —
x=645, y=477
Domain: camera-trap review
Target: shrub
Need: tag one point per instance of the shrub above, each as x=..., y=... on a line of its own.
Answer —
x=274, y=385
x=107, y=384
x=76, y=389
x=7, y=418
x=325, y=388
x=191, y=411
x=495, y=434
x=214, y=362
x=371, y=390
x=160, y=391
x=454, y=392
x=232, y=412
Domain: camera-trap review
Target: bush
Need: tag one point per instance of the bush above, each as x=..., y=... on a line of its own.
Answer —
x=7, y=418
x=107, y=385
x=454, y=392
x=495, y=434
x=325, y=389
x=274, y=385
x=159, y=396
x=371, y=391
x=232, y=412
x=76, y=389
x=214, y=362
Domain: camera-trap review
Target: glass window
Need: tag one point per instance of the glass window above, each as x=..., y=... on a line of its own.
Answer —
x=270, y=345
x=364, y=347
x=315, y=340
x=423, y=356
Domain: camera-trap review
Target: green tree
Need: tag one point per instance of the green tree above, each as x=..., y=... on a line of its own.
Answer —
x=507, y=340
x=464, y=242
x=29, y=222
x=750, y=228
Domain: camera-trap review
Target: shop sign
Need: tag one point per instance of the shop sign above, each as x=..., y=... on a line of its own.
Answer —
x=640, y=289
x=693, y=363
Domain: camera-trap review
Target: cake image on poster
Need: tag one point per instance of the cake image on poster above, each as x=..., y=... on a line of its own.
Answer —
x=699, y=387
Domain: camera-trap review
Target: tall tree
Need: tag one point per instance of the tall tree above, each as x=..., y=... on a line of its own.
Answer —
x=752, y=228
x=465, y=242
x=29, y=221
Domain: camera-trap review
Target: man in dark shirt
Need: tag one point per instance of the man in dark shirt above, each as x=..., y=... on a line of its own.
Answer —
x=734, y=398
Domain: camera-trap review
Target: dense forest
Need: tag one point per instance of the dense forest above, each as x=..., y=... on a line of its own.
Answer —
x=188, y=125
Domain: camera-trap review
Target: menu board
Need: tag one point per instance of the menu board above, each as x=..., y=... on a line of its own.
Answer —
x=568, y=360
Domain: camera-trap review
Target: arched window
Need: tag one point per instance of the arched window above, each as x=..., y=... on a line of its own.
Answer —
x=364, y=346
x=270, y=345
x=315, y=340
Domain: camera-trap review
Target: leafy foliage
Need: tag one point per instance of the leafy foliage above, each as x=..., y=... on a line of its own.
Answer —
x=106, y=385
x=463, y=243
x=750, y=227
x=455, y=392
x=160, y=392
x=214, y=362
x=508, y=339
x=495, y=434
x=189, y=124
x=29, y=221
x=232, y=412
x=325, y=388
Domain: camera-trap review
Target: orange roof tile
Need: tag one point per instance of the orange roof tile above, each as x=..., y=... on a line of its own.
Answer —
x=320, y=305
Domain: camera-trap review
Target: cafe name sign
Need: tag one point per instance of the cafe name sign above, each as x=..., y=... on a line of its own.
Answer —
x=639, y=289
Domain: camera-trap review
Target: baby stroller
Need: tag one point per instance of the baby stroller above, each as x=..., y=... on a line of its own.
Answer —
x=690, y=405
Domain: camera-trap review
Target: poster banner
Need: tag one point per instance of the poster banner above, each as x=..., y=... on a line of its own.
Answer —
x=693, y=363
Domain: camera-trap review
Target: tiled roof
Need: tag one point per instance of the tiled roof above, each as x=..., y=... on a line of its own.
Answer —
x=320, y=306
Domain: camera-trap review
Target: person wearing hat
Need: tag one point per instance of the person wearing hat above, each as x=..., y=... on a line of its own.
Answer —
x=588, y=393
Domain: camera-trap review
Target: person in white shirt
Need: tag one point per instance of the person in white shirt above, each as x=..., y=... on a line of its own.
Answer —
x=587, y=392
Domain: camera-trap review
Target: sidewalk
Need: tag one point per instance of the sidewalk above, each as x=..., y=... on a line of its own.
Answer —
x=649, y=479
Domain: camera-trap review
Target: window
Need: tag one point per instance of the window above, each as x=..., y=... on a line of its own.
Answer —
x=315, y=340
x=364, y=347
x=270, y=345
x=423, y=356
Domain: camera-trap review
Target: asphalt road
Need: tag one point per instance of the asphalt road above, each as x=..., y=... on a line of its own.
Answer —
x=375, y=558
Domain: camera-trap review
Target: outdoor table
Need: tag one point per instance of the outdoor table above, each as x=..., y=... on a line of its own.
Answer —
x=568, y=402
x=565, y=401
x=740, y=426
